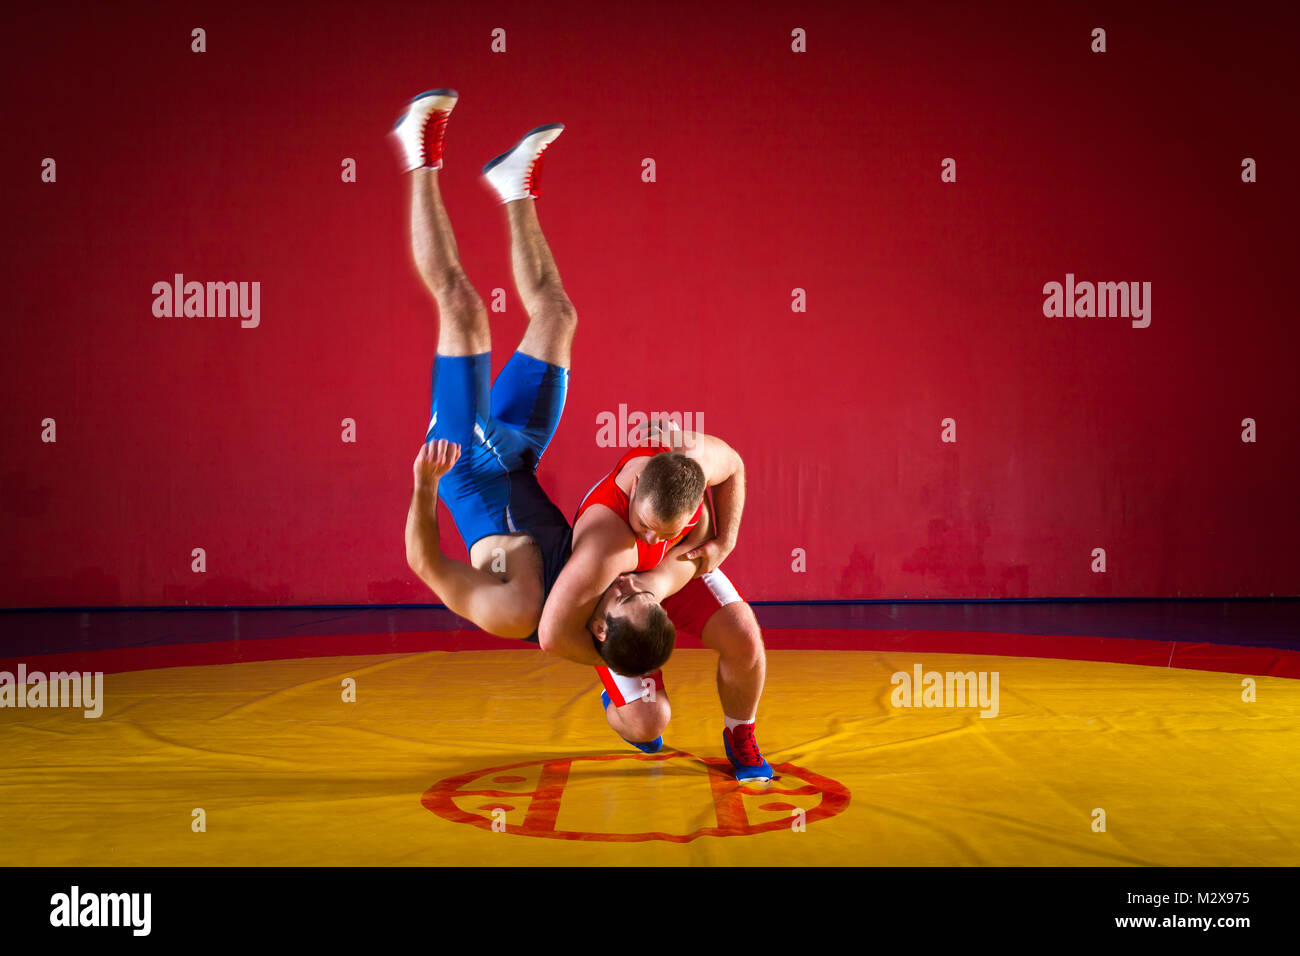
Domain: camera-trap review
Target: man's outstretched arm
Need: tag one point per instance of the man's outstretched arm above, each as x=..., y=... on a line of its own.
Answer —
x=604, y=550
x=475, y=595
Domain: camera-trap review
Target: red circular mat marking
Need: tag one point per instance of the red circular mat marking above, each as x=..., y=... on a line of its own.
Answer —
x=728, y=799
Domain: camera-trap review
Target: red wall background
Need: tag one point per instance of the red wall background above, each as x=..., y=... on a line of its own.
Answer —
x=775, y=170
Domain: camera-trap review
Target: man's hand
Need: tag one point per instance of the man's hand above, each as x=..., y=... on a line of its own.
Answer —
x=434, y=460
x=660, y=431
x=710, y=555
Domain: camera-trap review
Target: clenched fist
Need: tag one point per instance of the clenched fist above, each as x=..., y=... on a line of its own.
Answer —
x=434, y=460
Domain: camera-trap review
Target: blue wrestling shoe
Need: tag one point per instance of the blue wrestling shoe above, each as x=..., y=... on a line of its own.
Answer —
x=742, y=751
x=652, y=747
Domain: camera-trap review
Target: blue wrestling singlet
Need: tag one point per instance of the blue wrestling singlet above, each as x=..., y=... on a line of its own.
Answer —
x=503, y=432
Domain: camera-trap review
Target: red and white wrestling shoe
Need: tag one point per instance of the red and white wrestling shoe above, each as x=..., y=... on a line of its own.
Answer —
x=742, y=751
x=420, y=130
x=515, y=174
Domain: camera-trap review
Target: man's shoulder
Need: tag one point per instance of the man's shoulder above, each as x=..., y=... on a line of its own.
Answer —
x=598, y=525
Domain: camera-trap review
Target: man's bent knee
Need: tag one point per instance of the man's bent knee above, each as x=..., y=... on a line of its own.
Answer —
x=552, y=317
x=734, y=634
x=458, y=300
x=452, y=285
x=645, y=720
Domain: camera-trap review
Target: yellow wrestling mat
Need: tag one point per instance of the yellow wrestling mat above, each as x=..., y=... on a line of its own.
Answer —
x=485, y=758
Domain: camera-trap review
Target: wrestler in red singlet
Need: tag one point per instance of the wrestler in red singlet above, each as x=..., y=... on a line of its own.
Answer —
x=608, y=493
x=690, y=610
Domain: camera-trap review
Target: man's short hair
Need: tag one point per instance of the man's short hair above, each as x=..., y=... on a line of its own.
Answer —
x=635, y=651
x=673, y=484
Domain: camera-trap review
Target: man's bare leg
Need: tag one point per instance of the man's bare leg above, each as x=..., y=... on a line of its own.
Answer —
x=462, y=319
x=552, y=319
x=734, y=633
x=742, y=663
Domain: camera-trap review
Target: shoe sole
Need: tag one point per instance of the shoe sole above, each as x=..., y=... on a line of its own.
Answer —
x=496, y=161
x=424, y=96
